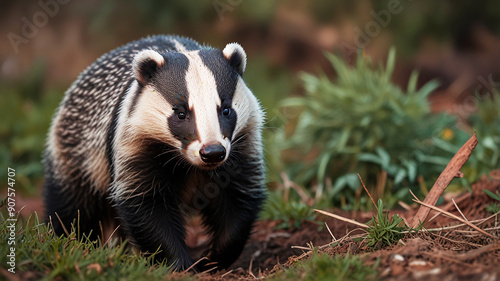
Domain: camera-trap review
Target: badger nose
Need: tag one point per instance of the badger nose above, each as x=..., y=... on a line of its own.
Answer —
x=213, y=153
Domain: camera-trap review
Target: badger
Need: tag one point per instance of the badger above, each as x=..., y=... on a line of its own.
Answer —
x=152, y=133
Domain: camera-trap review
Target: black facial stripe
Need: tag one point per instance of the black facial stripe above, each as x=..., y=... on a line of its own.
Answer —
x=226, y=79
x=184, y=129
x=135, y=99
x=171, y=83
x=227, y=123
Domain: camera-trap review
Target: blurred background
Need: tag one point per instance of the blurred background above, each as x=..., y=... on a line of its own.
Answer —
x=338, y=80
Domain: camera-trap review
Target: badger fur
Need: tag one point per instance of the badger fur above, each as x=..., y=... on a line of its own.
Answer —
x=151, y=133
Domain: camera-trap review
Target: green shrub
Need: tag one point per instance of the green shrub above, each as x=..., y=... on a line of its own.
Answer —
x=363, y=123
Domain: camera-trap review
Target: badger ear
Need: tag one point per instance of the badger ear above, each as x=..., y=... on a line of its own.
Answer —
x=146, y=63
x=236, y=57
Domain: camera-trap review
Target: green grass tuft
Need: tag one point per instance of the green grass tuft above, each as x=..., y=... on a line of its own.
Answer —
x=291, y=214
x=42, y=254
x=384, y=231
x=323, y=267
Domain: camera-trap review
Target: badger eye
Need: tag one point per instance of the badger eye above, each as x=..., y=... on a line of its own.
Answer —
x=181, y=115
x=226, y=111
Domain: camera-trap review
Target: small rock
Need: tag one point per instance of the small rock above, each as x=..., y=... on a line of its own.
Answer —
x=398, y=257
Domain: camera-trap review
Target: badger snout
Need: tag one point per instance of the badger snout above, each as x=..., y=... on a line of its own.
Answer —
x=212, y=154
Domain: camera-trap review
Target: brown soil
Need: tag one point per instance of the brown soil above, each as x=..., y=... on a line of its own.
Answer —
x=456, y=254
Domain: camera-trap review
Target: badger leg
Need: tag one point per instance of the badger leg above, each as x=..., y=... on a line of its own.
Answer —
x=154, y=223
x=67, y=207
x=231, y=217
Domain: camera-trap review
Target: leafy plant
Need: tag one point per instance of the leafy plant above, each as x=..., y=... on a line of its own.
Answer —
x=486, y=156
x=362, y=123
x=291, y=214
x=324, y=267
x=384, y=231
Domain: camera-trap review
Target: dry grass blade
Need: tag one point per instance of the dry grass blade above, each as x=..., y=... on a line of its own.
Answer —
x=453, y=216
x=194, y=264
x=331, y=234
x=227, y=273
x=62, y=224
x=250, y=269
x=371, y=198
x=341, y=218
x=111, y=236
x=460, y=211
x=444, y=179
x=287, y=184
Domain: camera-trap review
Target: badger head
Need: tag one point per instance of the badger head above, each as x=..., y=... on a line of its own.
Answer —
x=196, y=102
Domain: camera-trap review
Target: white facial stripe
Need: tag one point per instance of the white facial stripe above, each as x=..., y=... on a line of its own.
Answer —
x=203, y=99
x=179, y=46
x=148, y=120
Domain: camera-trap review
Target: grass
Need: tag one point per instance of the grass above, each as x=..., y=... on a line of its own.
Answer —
x=43, y=255
x=384, y=231
x=321, y=266
x=290, y=214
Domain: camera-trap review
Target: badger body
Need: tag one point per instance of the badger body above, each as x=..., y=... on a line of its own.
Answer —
x=151, y=133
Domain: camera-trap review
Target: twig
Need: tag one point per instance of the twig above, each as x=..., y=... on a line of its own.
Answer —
x=452, y=216
x=208, y=270
x=477, y=222
x=444, y=180
x=287, y=184
x=224, y=275
x=301, y=248
x=460, y=211
x=250, y=269
x=373, y=201
x=342, y=218
x=62, y=224
x=333, y=236
x=112, y=233
x=194, y=264
x=404, y=205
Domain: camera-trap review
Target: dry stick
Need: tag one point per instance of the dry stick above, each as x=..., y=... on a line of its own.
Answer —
x=460, y=211
x=331, y=234
x=477, y=222
x=250, y=268
x=452, y=216
x=373, y=201
x=287, y=184
x=62, y=224
x=111, y=236
x=444, y=180
x=341, y=218
x=224, y=275
x=194, y=264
